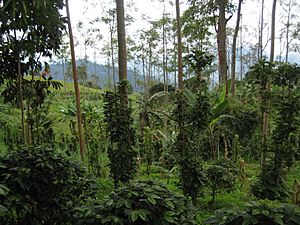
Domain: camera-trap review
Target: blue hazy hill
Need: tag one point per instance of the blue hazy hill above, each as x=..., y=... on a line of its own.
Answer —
x=97, y=73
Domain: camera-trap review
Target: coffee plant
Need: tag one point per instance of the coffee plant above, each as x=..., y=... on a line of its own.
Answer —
x=43, y=187
x=141, y=202
x=257, y=213
x=271, y=183
x=221, y=176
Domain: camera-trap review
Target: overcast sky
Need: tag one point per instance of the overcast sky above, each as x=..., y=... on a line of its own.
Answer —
x=85, y=11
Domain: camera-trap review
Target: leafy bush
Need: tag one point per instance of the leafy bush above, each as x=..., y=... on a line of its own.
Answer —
x=159, y=87
x=3, y=192
x=142, y=203
x=192, y=178
x=122, y=137
x=43, y=187
x=257, y=213
x=270, y=183
x=221, y=175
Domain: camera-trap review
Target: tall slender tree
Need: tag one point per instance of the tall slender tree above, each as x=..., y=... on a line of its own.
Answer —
x=261, y=29
x=221, y=40
x=179, y=43
x=122, y=48
x=233, y=53
x=273, y=23
x=76, y=87
x=268, y=88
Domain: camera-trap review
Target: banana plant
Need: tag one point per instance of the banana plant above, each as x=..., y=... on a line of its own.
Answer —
x=217, y=117
x=153, y=115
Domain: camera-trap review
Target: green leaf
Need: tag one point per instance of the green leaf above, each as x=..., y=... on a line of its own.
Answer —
x=151, y=200
x=128, y=204
x=255, y=212
x=169, y=216
x=190, y=96
x=220, y=108
x=3, y=189
x=134, y=215
x=170, y=204
x=143, y=214
x=3, y=210
x=219, y=119
x=222, y=95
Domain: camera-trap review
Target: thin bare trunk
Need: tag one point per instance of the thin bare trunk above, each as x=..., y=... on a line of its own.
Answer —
x=64, y=73
x=273, y=31
x=175, y=60
x=288, y=33
x=241, y=50
x=112, y=59
x=233, y=53
x=122, y=49
x=28, y=124
x=150, y=65
x=266, y=113
x=164, y=52
x=221, y=39
x=180, y=82
x=261, y=28
x=144, y=75
x=109, y=73
x=21, y=101
x=76, y=87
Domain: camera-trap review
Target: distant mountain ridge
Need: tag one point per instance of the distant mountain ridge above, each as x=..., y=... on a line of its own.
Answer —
x=97, y=73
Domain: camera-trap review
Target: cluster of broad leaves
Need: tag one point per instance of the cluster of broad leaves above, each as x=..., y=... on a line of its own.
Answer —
x=259, y=213
x=141, y=202
x=39, y=186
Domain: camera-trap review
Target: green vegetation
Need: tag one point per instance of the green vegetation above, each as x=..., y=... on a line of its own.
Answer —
x=202, y=154
x=218, y=148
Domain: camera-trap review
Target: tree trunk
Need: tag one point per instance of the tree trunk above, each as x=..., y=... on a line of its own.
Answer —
x=122, y=49
x=112, y=58
x=144, y=74
x=164, y=51
x=241, y=49
x=233, y=53
x=64, y=73
x=273, y=31
x=76, y=87
x=21, y=100
x=288, y=33
x=221, y=39
x=266, y=114
x=261, y=28
x=180, y=83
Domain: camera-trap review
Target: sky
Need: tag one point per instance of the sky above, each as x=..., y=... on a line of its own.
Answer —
x=85, y=11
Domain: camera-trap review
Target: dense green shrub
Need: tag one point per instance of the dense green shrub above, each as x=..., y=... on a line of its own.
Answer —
x=43, y=187
x=221, y=175
x=3, y=192
x=122, y=136
x=257, y=213
x=287, y=105
x=142, y=203
x=160, y=87
x=191, y=175
x=271, y=183
x=243, y=122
